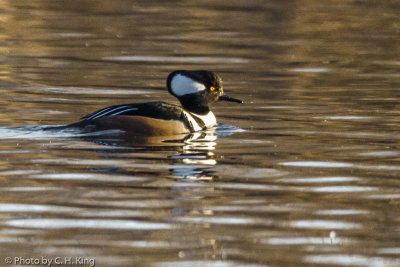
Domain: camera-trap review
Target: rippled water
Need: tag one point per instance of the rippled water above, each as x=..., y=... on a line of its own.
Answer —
x=304, y=173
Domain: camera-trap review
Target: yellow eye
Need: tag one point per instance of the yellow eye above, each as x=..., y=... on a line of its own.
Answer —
x=212, y=88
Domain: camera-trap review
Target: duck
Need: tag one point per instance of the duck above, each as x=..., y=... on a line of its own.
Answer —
x=196, y=91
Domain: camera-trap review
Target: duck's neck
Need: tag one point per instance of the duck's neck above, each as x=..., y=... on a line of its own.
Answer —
x=195, y=104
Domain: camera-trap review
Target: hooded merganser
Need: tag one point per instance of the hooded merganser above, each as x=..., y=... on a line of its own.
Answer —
x=195, y=90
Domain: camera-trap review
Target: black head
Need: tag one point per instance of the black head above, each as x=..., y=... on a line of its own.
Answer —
x=196, y=90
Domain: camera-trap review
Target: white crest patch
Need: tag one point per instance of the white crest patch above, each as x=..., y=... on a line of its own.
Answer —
x=183, y=85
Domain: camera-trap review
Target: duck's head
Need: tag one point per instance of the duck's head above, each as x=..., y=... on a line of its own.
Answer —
x=196, y=90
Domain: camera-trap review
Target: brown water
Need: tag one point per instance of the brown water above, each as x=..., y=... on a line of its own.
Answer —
x=305, y=173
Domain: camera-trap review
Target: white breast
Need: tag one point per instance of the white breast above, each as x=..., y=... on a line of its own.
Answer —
x=183, y=85
x=208, y=119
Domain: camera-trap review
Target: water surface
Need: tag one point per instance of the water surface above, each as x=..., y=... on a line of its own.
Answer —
x=304, y=173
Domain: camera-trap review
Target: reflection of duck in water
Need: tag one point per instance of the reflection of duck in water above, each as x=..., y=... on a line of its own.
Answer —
x=197, y=156
x=195, y=90
x=187, y=157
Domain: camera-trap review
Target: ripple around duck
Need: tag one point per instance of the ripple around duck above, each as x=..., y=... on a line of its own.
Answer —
x=202, y=140
x=40, y=133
